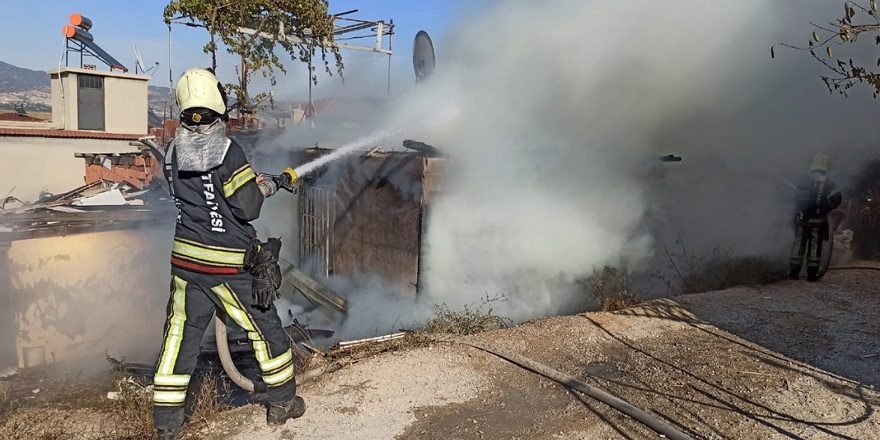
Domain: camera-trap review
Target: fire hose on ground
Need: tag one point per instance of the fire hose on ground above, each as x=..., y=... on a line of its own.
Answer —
x=659, y=426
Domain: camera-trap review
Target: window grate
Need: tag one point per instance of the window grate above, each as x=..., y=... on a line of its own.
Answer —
x=91, y=82
x=318, y=208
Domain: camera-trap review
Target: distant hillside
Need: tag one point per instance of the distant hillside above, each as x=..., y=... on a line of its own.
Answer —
x=24, y=88
x=17, y=79
x=31, y=89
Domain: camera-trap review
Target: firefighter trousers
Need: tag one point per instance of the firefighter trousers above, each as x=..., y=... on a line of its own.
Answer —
x=808, y=240
x=194, y=297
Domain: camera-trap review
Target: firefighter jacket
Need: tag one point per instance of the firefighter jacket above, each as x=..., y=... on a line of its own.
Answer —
x=215, y=208
x=816, y=198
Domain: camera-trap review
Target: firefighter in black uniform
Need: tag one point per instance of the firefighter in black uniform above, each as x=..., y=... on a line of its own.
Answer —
x=217, y=195
x=817, y=195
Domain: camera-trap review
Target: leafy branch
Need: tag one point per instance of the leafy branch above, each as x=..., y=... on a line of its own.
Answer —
x=307, y=21
x=858, y=21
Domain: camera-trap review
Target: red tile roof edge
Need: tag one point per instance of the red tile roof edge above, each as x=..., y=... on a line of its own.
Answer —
x=15, y=117
x=66, y=134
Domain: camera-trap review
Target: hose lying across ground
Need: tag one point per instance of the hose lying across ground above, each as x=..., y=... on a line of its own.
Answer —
x=853, y=268
x=563, y=379
x=242, y=381
x=570, y=382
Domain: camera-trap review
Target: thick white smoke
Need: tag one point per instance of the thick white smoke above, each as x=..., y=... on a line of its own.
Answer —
x=561, y=110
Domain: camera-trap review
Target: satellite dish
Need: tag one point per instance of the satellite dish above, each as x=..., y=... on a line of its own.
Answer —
x=139, y=63
x=423, y=56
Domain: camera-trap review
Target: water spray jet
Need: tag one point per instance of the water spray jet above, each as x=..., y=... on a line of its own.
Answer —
x=341, y=152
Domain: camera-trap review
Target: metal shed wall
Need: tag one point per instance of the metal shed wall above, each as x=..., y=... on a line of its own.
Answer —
x=373, y=222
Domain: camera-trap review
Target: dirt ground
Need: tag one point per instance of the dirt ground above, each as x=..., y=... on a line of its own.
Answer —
x=794, y=360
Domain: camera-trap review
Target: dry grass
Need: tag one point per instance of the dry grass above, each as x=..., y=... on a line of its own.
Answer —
x=128, y=417
x=467, y=321
x=207, y=407
x=39, y=424
x=133, y=410
x=612, y=289
x=5, y=401
x=719, y=270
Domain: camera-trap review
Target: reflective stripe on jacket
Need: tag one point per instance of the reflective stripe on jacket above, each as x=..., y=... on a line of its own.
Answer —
x=215, y=209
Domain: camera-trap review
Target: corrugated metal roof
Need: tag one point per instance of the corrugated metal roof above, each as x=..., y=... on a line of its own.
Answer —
x=67, y=134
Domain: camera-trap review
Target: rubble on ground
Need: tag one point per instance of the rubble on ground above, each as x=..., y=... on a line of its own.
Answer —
x=100, y=205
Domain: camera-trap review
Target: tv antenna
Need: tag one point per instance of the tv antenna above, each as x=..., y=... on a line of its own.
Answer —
x=139, y=64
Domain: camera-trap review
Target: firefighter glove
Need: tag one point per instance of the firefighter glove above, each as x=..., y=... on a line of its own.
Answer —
x=267, y=274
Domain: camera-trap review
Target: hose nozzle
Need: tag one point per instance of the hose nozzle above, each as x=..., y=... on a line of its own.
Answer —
x=284, y=181
x=290, y=174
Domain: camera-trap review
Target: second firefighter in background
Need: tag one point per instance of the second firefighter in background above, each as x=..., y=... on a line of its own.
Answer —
x=817, y=195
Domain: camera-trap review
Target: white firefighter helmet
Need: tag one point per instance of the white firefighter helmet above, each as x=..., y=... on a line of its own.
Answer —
x=199, y=88
x=820, y=162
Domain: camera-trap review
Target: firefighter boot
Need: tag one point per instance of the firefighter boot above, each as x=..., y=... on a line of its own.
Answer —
x=170, y=434
x=279, y=414
x=812, y=274
x=794, y=274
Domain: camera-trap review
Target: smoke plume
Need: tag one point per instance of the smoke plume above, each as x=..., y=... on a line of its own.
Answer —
x=563, y=109
x=554, y=115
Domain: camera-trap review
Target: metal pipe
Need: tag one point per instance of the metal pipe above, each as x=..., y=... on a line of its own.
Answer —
x=379, y=26
x=340, y=14
x=383, y=338
x=170, y=81
x=390, y=50
x=295, y=40
x=327, y=229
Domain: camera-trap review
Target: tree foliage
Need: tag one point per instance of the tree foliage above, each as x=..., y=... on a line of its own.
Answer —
x=858, y=23
x=305, y=20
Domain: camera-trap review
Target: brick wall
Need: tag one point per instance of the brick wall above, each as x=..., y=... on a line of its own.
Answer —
x=136, y=169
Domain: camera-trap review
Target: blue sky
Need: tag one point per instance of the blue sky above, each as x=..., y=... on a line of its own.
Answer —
x=119, y=26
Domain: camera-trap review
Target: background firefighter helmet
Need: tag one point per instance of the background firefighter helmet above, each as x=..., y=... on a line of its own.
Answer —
x=200, y=97
x=820, y=162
